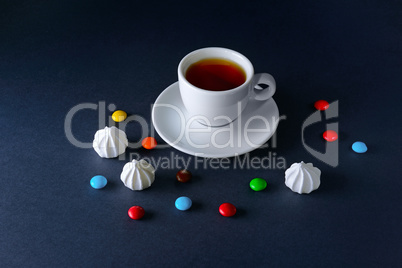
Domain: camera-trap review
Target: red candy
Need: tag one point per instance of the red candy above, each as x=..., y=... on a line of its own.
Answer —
x=330, y=135
x=136, y=212
x=227, y=210
x=321, y=105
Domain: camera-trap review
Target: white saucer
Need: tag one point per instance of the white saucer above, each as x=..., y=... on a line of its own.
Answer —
x=253, y=128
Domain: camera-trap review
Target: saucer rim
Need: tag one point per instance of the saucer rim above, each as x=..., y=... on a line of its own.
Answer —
x=226, y=153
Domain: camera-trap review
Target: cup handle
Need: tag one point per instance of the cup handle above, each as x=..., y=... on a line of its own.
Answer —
x=260, y=93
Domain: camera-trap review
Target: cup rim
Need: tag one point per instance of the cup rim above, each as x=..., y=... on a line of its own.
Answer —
x=182, y=76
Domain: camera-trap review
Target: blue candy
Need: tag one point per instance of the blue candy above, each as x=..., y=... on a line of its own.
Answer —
x=359, y=147
x=183, y=203
x=98, y=182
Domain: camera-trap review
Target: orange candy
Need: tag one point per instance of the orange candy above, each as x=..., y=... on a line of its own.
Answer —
x=149, y=143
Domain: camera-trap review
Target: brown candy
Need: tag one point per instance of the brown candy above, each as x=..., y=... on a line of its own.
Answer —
x=183, y=175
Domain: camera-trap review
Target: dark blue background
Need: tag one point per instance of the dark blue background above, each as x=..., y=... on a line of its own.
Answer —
x=57, y=54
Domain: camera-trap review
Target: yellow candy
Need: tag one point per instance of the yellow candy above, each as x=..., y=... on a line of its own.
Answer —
x=119, y=116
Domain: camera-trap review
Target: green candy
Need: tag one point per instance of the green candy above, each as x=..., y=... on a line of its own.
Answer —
x=258, y=184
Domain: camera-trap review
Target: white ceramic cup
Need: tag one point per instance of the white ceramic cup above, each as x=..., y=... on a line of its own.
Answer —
x=218, y=108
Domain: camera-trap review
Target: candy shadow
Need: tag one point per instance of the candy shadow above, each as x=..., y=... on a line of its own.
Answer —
x=196, y=206
x=194, y=179
x=110, y=186
x=240, y=213
x=332, y=182
x=343, y=136
x=271, y=187
x=149, y=215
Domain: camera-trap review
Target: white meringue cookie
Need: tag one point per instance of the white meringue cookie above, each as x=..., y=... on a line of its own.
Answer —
x=110, y=142
x=302, y=178
x=138, y=175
